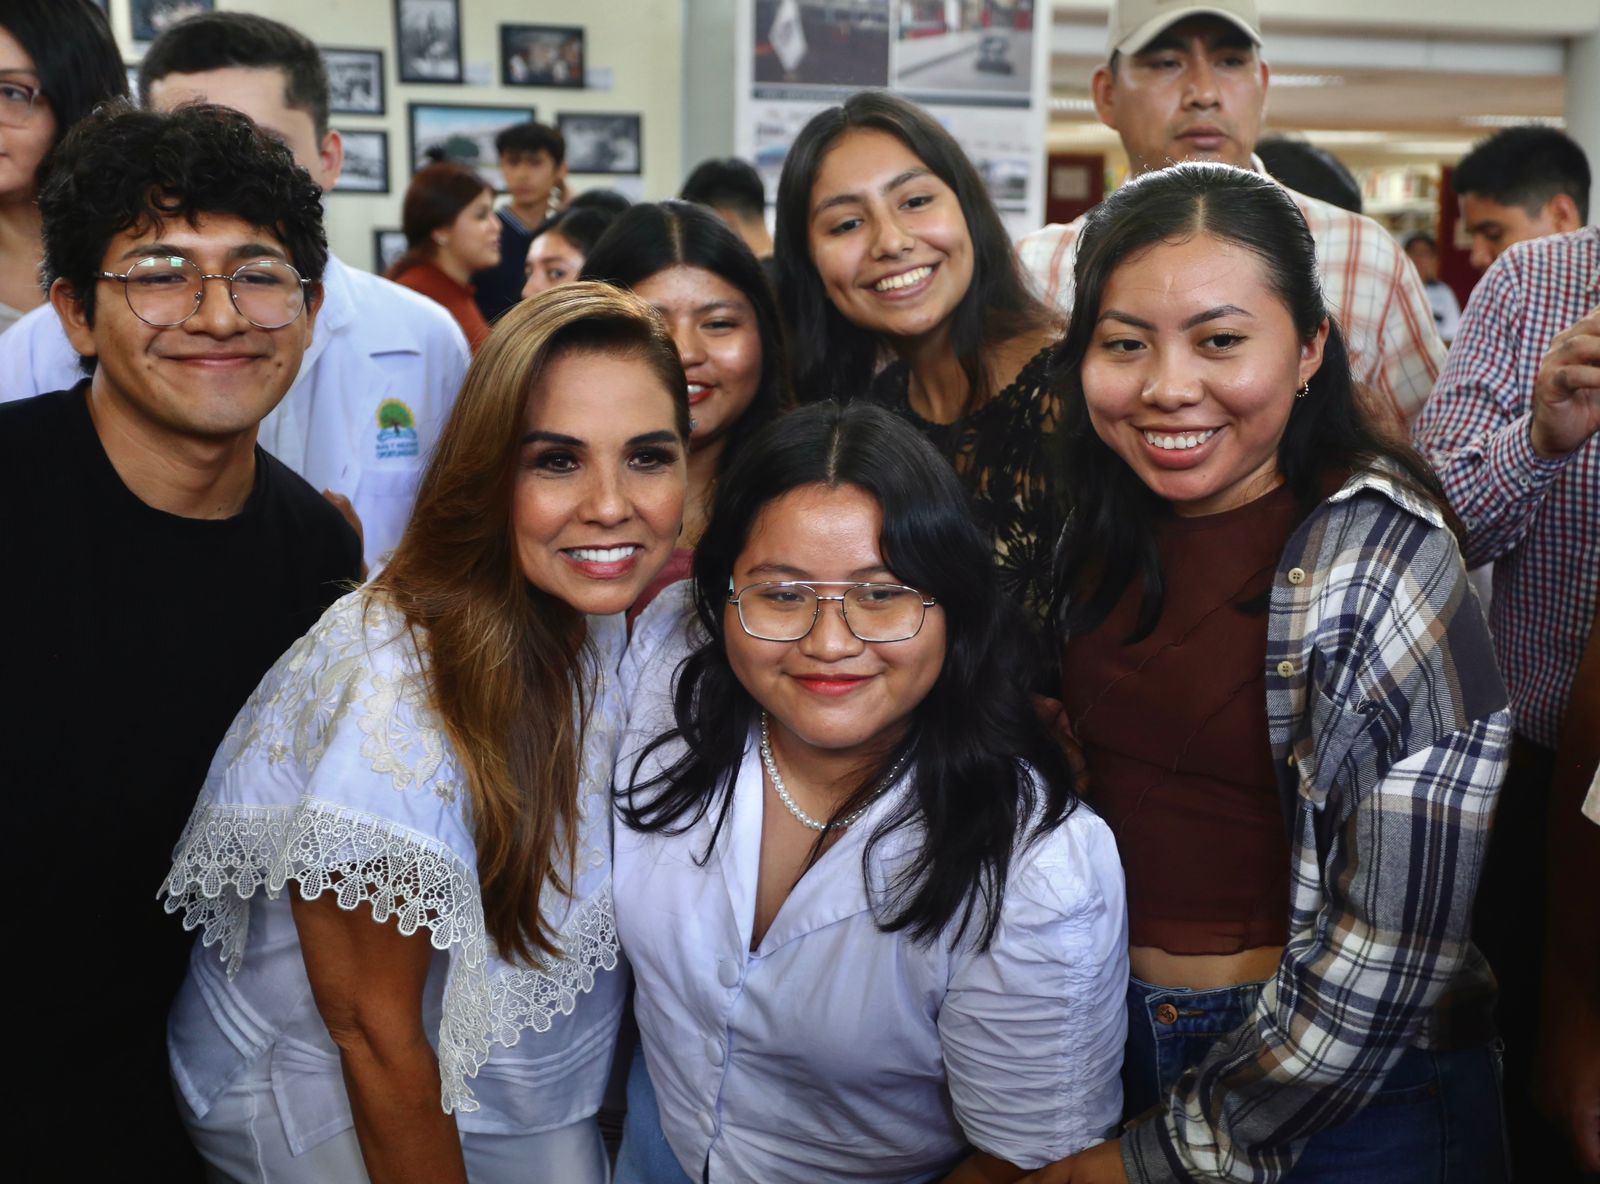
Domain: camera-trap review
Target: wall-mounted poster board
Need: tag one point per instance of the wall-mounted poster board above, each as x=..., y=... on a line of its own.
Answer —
x=981, y=67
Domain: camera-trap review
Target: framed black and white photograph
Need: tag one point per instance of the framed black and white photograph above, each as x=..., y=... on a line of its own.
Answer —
x=601, y=143
x=464, y=134
x=387, y=247
x=428, y=33
x=153, y=17
x=541, y=55
x=366, y=162
x=355, y=81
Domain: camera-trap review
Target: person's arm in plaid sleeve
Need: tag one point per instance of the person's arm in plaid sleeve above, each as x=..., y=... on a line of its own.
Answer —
x=1410, y=347
x=1477, y=428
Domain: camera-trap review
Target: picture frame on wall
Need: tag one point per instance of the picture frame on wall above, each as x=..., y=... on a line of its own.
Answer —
x=388, y=245
x=463, y=133
x=153, y=17
x=541, y=55
x=428, y=33
x=366, y=161
x=355, y=81
x=599, y=142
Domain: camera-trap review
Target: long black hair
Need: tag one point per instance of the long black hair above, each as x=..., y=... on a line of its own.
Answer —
x=973, y=738
x=74, y=54
x=1111, y=536
x=836, y=359
x=652, y=236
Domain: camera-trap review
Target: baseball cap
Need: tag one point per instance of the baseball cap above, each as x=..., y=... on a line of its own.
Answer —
x=1136, y=23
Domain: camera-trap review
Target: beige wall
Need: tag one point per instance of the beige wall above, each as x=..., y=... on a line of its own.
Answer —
x=1559, y=18
x=637, y=41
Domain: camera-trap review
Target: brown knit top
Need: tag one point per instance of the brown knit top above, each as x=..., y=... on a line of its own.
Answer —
x=1174, y=731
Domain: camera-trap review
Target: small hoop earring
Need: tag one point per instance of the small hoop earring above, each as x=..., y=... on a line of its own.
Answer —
x=1304, y=390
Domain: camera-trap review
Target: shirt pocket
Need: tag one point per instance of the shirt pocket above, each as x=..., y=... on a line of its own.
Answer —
x=1331, y=729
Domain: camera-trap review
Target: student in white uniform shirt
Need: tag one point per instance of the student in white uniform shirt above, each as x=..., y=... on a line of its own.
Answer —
x=379, y=377
x=874, y=935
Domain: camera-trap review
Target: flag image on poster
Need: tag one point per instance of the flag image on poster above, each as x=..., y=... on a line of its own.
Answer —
x=787, y=38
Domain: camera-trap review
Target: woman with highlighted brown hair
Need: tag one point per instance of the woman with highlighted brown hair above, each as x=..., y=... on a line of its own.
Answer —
x=402, y=849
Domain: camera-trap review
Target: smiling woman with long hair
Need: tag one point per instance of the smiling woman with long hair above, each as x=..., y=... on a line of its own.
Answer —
x=1290, y=711
x=870, y=928
x=889, y=250
x=402, y=847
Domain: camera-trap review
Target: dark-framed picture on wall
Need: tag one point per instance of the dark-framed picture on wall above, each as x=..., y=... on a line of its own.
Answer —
x=387, y=247
x=601, y=143
x=355, y=81
x=428, y=33
x=153, y=17
x=366, y=162
x=541, y=55
x=462, y=133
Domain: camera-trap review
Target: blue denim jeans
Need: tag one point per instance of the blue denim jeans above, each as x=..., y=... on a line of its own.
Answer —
x=1435, y=1120
x=645, y=1157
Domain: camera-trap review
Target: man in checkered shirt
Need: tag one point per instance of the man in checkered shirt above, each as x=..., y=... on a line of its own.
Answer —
x=1185, y=81
x=1512, y=429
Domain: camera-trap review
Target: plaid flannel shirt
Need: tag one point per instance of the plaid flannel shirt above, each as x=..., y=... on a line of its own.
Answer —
x=1537, y=520
x=1368, y=283
x=1389, y=729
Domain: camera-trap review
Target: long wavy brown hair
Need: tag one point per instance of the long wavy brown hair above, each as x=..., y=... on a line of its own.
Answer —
x=506, y=660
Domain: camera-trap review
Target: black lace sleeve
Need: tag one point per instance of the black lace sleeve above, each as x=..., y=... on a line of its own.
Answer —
x=1003, y=454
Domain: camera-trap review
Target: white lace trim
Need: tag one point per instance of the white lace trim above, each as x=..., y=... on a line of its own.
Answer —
x=228, y=852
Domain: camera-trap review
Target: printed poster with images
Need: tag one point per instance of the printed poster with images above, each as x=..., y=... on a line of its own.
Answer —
x=981, y=67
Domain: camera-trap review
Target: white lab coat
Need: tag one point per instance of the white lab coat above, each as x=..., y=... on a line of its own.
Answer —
x=378, y=350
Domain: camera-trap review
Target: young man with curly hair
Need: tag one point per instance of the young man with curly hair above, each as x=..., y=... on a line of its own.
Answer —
x=158, y=561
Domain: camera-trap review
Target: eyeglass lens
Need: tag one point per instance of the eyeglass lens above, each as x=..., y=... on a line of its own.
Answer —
x=16, y=103
x=874, y=612
x=166, y=291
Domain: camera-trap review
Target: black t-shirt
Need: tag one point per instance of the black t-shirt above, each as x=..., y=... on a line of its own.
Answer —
x=135, y=637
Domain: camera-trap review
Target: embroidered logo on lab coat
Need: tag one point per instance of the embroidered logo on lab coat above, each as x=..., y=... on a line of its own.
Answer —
x=397, y=430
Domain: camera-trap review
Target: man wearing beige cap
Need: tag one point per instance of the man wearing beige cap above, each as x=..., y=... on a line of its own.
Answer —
x=1186, y=81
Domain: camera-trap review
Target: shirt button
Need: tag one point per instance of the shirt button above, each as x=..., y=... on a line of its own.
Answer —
x=1292, y=761
x=714, y=1051
x=708, y=1125
x=1297, y=575
x=728, y=972
x=1286, y=669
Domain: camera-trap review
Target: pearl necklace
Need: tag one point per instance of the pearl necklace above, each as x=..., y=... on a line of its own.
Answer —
x=805, y=819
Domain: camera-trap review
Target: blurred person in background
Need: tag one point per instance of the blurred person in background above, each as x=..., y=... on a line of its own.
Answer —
x=58, y=60
x=713, y=295
x=451, y=232
x=1187, y=82
x=1423, y=251
x=1513, y=430
x=560, y=245
x=533, y=160
x=379, y=376
x=1307, y=169
x=1521, y=183
x=733, y=188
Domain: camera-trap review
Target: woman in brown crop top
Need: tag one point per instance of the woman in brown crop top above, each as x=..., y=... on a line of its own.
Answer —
x=1299, y=768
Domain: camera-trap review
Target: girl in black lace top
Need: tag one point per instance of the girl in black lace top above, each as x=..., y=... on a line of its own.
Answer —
x=888, y=247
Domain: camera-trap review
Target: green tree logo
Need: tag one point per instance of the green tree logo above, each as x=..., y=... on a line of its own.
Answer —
x=395, y=416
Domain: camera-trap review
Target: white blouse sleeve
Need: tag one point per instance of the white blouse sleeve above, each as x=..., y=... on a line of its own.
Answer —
x=337, y=775
x=1032, y=1028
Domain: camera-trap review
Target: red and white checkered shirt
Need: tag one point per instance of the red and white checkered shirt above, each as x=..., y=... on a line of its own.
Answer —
x=1368, y=283
x=1537, y=520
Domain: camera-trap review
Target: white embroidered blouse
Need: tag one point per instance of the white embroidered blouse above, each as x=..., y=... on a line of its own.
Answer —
x=338, y=774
